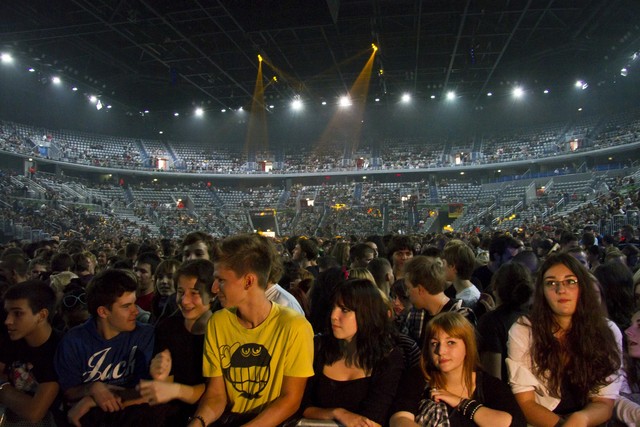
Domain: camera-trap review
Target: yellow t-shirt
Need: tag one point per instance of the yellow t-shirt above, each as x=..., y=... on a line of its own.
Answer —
x=253, y=362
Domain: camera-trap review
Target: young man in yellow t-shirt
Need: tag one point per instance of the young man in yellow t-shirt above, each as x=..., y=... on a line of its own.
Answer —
x=257, y=354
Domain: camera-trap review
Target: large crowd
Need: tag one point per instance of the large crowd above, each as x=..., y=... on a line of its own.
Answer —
x=474, y=328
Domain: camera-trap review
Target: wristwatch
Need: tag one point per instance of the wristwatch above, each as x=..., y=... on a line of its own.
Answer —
x=4, y=384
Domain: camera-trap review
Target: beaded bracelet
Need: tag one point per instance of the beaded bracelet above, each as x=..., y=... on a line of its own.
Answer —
x=469, y=407
x=199, y=418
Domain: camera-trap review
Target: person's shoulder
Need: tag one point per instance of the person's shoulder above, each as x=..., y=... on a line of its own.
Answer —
x=287, y=314
x=521, y=326
x=87, y=328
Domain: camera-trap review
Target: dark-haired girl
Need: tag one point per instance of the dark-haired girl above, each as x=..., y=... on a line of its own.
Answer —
x=564, y=357
x=357, y=368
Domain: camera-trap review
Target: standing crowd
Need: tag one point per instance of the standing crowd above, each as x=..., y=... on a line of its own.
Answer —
x=443, y=330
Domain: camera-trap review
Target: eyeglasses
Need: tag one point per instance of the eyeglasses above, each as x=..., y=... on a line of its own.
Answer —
x=555, y=284
x=71, y=300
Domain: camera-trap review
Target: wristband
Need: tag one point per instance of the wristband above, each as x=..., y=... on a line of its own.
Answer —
x=469, y=407
x=560, y=422
x=4, y=384
x=199, y=418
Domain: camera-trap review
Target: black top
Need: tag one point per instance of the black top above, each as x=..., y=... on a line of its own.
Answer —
x=493, y=329
x=186, y=350
x=490, y=391
x=370, y=397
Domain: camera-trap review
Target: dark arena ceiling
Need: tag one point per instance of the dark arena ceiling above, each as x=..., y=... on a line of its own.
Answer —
x=170, y=55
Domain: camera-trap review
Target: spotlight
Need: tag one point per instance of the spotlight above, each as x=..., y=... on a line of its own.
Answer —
x=433, y=97
x=579, y=83
x=624, y=72
x=56, y=80
x=272, y=107
x=259, y=57
x=224, y=110
x=109, y=107
x=31, y=70
x=98, y=105
x=161, y=132
x=546, y=91
x=199, y=112
x=377, y=99
x=176, y=114
x=518, y=92
x=275, y=79
x=344, y=101
x=75, y=89
x=324, y=102
x=406, y=98
x=240, y=109
x=451, y=95
x=93, y=99
x=375, y=48
x=6, y=58
x=489, y=94
x=585, y=85
x=296, y=104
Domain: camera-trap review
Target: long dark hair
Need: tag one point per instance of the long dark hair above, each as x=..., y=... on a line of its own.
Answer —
x=373, y=340
x=617, y=283
x=588, y=352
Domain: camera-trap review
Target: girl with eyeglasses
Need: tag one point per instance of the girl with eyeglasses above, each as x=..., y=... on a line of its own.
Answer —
x=565, y=356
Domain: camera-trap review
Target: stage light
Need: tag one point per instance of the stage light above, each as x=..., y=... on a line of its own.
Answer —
x=259, y=57
x=489, y=94
x=344, y=101
x=240, y=109
x=199, y=112
x=75, y=89
x=582, y=85
x=324, y=102
x=624, y=72
x=272, y=106
x=93, y=99
x=433, y=97
x=224, y=110
x=6, y=58
x=275, y=79
x=56, y=80
x=377, y=99
x=296, y=104
x=32, y=70
x=406, y=98
x=146, y=111
x=375, y=48
x=109, y=107
x=546, y=91
x=518, y=92
x=451, y=95
x=98, y=105
x=161, y=132
x=176, y=114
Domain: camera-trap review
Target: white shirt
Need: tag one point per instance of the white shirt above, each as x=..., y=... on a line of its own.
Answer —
x=277, y=294
x=520, y=365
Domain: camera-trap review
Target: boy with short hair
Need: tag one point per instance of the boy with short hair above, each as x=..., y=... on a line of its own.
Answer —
x=28, y=381
x=258, y=355
x=109, y=353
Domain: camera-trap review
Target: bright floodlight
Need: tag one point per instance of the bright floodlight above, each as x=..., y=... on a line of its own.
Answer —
x=240, y=109
x=259, y=57
x=518, y=92
x=451, y=95
x=377, y=99
x=344, y=101
x=489, y=94
x=75, y=89
x=99, y=105
x=296, y=104
x=6, y=58
x=93, y=99
x=624, y=72
x=56, y=80
x=579, y=83
x=406, y=98
x=546, y=91
x=224, y=110
x=433, y=97
x=176, y=114
x=324, y=102
x=375, y=48
x=272, y=106
x=199, y=112
x=31, y=70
